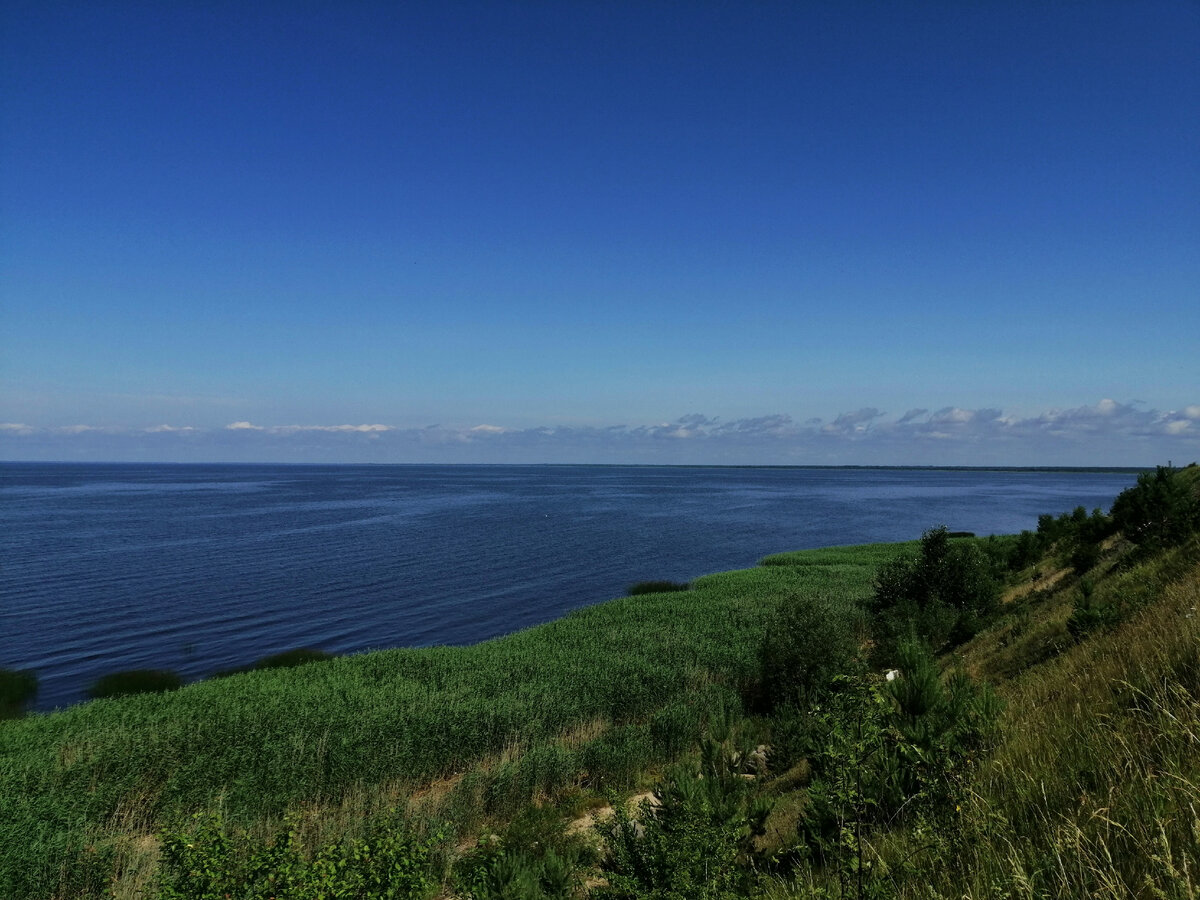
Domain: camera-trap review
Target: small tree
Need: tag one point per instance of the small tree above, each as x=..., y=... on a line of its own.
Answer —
x=807, y=643
x=135, y=681
x=943, y=595
x=17, y=690
x=1161, y=510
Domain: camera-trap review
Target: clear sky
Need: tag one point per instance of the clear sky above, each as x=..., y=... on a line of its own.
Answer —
x=742, y=232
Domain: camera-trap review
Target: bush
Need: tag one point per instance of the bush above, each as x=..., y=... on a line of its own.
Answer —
x=534, y=858
x=492, y=873
x=888, y=754
x=1089, y=615
x=1085, y=557
x=657, y=587
x=692, y=844
x=209, y=860
x=135, y=681
x=1161, y=510
x=1025, y=551
x=807, y=643
x=17, y=690
x=944, y=595
x=289, y=658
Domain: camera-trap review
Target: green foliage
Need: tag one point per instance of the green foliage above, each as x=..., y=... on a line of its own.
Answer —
x=892, y=754
x=1089, y=613
x=259, y=743
x=532, y=859
x=492, y=873
x=808, y=641
x=290, y=658
x=694, y=841
x=1085, y=557
x=1162, y=509
x=209, y=861
x=17, y=690
x=1024, y=550
x=942, y=596
x=657, y=587
x=135, y=681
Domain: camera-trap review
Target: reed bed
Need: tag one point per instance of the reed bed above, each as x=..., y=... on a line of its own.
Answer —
x=82, y=789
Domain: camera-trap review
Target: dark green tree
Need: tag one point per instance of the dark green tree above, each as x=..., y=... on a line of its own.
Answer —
x=942, y=596
x=1161, y=510
x=807, y=643
x=17, y=690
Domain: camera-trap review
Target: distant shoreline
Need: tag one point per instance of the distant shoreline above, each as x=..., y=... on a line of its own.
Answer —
x=548, y=465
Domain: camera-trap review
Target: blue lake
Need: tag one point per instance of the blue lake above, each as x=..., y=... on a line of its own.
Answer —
x=205, y=567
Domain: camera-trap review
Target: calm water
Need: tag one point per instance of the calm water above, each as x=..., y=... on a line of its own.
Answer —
x=204, y=567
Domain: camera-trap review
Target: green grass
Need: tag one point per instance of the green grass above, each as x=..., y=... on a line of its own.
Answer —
x=135, y=681
x=656, y=587
x=1093, y=786
x=1089, y=787
x=17, y=689
x=81, y=787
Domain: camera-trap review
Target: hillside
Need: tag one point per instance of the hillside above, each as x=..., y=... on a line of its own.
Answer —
x=1043, y=736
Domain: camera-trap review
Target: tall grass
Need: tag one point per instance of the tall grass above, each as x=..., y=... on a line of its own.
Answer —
x=1094, y=787
x=81, y=788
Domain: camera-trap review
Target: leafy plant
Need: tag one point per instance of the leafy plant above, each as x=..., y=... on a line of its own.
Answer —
x=1162, y=509
x=209, y=861
x=17, y=690
x=807, y=642
x=135, y=681
x=943, y=595
x=657, y=587
x=692, y=841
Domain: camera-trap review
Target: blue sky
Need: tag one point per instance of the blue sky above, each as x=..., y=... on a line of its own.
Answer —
x=959, y=233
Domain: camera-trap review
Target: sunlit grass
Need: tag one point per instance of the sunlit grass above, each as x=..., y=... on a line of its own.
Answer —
x=86, y=785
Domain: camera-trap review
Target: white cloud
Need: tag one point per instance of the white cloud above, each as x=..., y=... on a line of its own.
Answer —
x=952, y=415
x=1106, y=433
x=296, y=429
x=853, y=423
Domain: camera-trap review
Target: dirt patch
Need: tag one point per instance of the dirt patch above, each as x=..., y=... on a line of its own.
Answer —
x=588, y=823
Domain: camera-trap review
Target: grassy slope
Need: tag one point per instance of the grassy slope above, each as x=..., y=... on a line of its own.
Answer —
x=627, y=681
x=1094, y=789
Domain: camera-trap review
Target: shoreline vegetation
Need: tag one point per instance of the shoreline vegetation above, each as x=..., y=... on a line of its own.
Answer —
x=1013, y=716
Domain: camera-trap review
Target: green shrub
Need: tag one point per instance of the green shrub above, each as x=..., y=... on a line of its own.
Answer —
x=807, y=642
x=1161, y=510
x=17, y=690
x=1024, y=551
x=892, y=753
x=1084, y=557
x=290, y=658
x=135, y=681
x=942, y=596
x=534, y=858
x=693, y=843
x=657, y=587
x=494, y=873
x=1090, y=614
x=391, y=861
